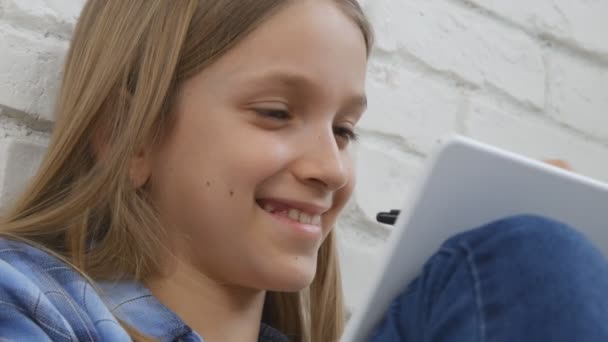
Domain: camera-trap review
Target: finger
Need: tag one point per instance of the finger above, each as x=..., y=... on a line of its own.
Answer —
x=559, y=163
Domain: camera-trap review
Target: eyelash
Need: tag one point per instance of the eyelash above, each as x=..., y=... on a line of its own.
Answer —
x=279, y=114
x=272, y=113
x=346, y=133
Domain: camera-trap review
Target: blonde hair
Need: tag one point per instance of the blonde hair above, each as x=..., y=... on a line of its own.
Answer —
x=125, y=62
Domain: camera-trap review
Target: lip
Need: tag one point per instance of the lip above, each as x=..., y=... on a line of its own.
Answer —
x=306, y=207
x=301, y=230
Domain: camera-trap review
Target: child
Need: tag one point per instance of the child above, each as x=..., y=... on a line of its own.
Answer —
x=200, y=155
x=198, y=164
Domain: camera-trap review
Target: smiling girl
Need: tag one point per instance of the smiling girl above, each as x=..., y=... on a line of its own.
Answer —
x=200, y=155
x=200, y=159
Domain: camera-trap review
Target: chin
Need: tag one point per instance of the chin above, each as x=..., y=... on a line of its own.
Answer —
x=293, y=278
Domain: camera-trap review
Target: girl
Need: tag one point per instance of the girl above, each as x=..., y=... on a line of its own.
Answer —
x=198, y=164
x=200, y=155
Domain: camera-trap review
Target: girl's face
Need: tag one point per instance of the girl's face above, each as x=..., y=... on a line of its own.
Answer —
x=257, y=167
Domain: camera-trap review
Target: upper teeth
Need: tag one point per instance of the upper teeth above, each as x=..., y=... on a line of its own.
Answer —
x=296, y=215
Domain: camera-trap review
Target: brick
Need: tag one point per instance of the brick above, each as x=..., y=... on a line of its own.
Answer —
x=534, y=137
x=30, y=71
x=19, y=160
x=410, y=105
x=578, y=93
x=358, y=264
x=48, y=17
x=456, y=40
x=383, y=182
x=580, y=23
x=360, y=243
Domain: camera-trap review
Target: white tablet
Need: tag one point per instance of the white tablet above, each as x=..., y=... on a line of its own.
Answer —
x=465, y=185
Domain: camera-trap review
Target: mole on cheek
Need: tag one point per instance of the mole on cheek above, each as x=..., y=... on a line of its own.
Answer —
x=231, y=193
x=208, y=183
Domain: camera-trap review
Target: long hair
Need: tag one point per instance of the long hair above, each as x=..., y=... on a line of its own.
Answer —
x=125, y=62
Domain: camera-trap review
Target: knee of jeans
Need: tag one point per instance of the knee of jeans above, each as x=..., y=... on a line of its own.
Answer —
x=525, y=236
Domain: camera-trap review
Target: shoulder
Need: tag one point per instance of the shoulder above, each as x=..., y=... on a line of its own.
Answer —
x=42, y=296
x=25, y=258
x=26, y=271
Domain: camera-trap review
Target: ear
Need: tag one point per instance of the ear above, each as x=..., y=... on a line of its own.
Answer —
x=140, y=168
x=99, y=143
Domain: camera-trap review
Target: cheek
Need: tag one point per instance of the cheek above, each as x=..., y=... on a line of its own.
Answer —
x=340, y=199
x=246, y=166
x=343, y=195
x=212, y=169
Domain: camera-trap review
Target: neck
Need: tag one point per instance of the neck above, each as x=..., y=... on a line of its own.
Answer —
x=218, y=312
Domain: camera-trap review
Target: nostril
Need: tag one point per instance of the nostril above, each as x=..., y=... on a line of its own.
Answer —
x=319, y=182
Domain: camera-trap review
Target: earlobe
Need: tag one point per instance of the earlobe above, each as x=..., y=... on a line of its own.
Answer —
x=140, y=169
x=99, y=144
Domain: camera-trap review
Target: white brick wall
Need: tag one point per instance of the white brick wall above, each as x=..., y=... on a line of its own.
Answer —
x=530, y=76
x=527, y=75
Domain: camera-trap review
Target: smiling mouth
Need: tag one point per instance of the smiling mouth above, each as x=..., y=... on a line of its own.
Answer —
x=287, y=212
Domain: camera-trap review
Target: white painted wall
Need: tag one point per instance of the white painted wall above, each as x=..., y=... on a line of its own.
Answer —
x=527, y=75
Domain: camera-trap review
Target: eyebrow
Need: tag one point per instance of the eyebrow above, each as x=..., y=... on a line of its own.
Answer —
x=287, y=79
x=357, y=102
x=291, y=79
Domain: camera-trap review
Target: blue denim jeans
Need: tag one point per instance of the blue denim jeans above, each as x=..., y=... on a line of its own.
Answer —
x=524, y=278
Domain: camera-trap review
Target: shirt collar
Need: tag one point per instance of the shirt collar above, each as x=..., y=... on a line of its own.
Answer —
x=135, y=305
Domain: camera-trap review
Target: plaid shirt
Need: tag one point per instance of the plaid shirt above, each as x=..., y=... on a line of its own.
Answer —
x=43, y=299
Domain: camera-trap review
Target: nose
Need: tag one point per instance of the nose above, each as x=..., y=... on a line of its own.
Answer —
x=322, y=163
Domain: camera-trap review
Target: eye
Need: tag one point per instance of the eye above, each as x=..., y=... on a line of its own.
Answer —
x=346, y=133
x=277, y=114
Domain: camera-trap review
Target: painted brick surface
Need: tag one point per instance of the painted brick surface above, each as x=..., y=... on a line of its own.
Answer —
x=19, y=160
x=577, y=93
x=465, y=43
x=581, y=24
x=29, y=71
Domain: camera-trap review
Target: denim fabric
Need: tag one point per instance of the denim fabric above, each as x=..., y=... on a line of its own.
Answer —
x=520, y=279
x=43, y=299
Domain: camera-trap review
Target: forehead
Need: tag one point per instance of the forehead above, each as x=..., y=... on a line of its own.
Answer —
x=307, y=41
